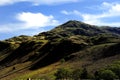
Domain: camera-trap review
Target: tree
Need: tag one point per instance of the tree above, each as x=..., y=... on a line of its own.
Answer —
x=63, y=73
x=115, y=68
x=96, y=75
x=76, y=74
x=84, y=74
x=107, y=75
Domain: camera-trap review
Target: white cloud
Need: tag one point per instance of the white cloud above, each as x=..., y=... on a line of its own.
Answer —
x=53, y=2
x=28, y=20
x=70, y=12
x=37, y=2
x=65, y=12
x=36, y=20
x=111, y=10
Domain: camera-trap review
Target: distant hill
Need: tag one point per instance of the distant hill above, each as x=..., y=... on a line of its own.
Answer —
x=77, y=43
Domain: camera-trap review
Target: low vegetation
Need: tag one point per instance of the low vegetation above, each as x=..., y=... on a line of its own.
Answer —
x=109, y=73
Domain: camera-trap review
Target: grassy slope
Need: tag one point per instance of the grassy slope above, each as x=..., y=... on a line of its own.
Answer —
x=91, y=57
x=7, y=70
x=85, y=58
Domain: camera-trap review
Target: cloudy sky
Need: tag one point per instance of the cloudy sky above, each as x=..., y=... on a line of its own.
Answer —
x=30, y=17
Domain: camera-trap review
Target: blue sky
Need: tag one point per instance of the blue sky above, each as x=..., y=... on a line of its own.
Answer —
x=30, y=17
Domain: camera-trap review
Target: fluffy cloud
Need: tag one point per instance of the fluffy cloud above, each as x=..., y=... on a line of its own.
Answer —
x=28, y=21
x=36, y=20
x=37, y=2
x=110, y=10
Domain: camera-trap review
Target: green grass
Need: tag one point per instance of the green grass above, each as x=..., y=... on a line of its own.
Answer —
x=9, y=70
x=39, y=73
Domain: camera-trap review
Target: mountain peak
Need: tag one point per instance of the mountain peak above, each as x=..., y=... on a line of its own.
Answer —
x=74, y=24
x=73, y=21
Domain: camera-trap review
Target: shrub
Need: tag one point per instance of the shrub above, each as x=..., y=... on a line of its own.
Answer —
x=76, y=74
x=62, y=60
x=107, y=75
x=63, y=73
x=115, y=68
x=84, y=74
x=96, y=75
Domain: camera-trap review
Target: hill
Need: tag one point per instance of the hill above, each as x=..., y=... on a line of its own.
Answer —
x=73, y=43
